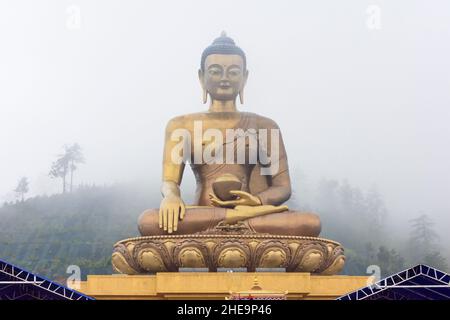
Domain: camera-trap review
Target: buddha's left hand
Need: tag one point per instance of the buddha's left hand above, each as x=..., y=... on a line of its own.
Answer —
x=244, y=199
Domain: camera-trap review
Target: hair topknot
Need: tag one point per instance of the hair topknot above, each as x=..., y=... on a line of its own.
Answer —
x=222, y=45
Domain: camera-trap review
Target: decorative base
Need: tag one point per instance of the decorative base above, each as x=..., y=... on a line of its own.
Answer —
x=218, y=285
x=168, y=253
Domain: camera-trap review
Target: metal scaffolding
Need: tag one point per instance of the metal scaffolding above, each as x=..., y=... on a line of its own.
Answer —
x=418, y=283
x=19, y=284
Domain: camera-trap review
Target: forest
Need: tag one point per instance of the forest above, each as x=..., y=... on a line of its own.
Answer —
x=47, y=234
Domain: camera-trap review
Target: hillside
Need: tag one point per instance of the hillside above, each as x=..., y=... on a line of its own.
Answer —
x=47, y=234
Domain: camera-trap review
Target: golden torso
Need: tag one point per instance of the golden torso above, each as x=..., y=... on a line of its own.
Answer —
x=238, y=202
x=259, y=196
x=206, y=173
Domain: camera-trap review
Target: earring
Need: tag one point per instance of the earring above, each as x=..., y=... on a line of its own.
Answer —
x=241, y=96
x=205, y=96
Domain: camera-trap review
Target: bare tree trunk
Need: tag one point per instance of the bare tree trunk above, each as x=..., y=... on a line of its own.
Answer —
x=64, y=182
x=71, y=177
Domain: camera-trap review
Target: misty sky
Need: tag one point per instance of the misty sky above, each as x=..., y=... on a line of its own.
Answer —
x=357, y=103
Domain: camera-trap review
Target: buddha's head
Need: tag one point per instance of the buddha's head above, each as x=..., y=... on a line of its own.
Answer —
x=223, y=70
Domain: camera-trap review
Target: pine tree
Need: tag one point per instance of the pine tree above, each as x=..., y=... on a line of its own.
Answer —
x=75, y=157
x=390, y=261
x=423, y=237
x=424, y=243
x=67, y=163
x=22, y=188
x=435, y=259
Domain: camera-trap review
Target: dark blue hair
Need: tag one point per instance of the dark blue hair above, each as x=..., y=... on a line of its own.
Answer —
x=222, y=45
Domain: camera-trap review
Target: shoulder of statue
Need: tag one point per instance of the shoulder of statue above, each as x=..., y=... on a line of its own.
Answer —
x=184, y=121
x=261, y=121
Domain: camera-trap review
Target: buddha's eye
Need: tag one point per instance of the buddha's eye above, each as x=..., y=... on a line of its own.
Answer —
x=214, y=72
x=234, y=72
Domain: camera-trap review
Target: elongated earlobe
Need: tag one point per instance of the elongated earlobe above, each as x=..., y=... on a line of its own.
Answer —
x=205, y=96
x=241, y=96
x=241, y=92
x=205, y=92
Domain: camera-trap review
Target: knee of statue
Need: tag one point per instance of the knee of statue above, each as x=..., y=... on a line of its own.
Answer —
x=292, y=223
x=148, y=222
x=304, y=224
x=310, y=223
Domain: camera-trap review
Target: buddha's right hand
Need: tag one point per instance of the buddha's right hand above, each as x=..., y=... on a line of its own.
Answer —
x=171, y=210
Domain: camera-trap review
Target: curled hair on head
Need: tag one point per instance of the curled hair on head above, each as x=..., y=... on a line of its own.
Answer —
x=222, y=45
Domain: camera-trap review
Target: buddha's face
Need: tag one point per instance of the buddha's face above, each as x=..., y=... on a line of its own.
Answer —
x=223, y=76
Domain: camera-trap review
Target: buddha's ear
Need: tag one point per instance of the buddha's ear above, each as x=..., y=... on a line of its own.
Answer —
x=241, y=92
x=201, y=77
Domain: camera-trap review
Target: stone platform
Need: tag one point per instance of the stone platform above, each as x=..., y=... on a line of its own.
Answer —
x=227, y=249
x=217, y=285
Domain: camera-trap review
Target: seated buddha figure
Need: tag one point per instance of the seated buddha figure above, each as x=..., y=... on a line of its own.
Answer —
x=250, y=191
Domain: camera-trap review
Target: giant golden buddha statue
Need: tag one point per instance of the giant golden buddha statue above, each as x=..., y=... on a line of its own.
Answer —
x=242, y=175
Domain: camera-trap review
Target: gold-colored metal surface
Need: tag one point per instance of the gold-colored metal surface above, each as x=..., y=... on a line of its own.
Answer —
x=223, y=77
x=217, y=286
x=227, y=250
x=238, y=218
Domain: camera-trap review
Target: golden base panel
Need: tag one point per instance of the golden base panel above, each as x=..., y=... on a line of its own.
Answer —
x=219, y=285
x=168, y=253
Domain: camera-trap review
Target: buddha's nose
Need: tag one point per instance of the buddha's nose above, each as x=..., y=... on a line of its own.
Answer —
x=224, y=77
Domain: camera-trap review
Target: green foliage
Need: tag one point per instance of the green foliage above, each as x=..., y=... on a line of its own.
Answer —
x=47, y=234
x=22, y=188
x=435, y=259
x=389, y=261
x=424, y=243
x=67, y=163
x=357, y=219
